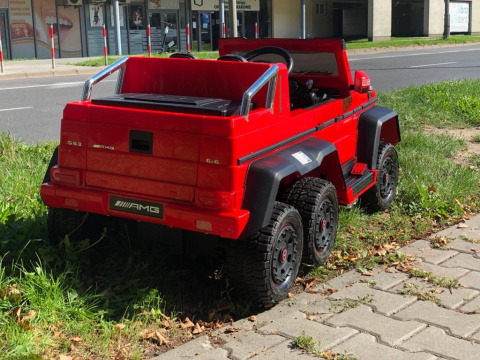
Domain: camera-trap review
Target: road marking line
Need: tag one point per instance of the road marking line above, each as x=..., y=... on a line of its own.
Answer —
x=447, y=63
x=403, y=55
x=19, y=108
x=59, y=85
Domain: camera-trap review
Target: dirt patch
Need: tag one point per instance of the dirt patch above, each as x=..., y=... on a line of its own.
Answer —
x=471, y=137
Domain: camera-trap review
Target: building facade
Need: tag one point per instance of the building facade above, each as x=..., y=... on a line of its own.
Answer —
x=77, y=24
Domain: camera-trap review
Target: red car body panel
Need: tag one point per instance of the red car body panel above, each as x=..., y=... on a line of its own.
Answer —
x=189, y=167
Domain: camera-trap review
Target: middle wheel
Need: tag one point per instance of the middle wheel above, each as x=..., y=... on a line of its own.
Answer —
x=317, y=202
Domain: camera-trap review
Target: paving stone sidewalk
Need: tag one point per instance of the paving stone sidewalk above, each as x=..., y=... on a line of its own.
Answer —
x=388, y=322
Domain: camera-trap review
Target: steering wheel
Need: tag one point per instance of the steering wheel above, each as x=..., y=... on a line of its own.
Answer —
x=298, y=93
x=272, y=50
x=179, y=55
x=232, y=57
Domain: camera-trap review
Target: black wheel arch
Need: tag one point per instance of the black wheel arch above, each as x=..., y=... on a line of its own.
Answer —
x=376, y=125
x=265, y=176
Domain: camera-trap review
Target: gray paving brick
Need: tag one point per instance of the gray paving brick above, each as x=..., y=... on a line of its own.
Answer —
x=294, y=324
x=441, y=271
x=388, y=330
x=347, y=279
x=471, y=231
x=436, y=341
x=283, y=351
x=476, y=337
x=457, y=323
x=464, y=246
x=472, y=306
x=319, y=307
x=424, y=251
x=472, y=280
x=277, y=312
x=450, y=298
x=385, y=280
x=383, y=302
x=465, y=261
x=199, y=348
x=364, y=347
x=248, y=344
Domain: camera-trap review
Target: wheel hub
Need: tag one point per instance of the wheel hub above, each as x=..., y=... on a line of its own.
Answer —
x=324, y=226
x=284, y=255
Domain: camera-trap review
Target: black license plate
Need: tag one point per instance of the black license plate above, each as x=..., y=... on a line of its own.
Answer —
x=138, y=207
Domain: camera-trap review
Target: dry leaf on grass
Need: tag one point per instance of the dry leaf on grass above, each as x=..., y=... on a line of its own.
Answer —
x=187, y=324
x=119, y=326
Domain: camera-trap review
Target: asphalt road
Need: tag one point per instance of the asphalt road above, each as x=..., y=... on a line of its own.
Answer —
x=31, y=109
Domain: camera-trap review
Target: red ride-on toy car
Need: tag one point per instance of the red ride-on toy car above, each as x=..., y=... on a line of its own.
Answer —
x=257, y=149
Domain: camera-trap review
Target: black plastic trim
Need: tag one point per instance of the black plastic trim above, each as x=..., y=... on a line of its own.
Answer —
x=265, y=175
x=370, y=133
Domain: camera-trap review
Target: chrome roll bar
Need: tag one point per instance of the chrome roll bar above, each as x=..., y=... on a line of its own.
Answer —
x=270, y=76
x=118, y=65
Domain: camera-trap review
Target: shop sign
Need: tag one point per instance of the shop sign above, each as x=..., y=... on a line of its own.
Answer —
x=459, y=17
x=214, y=5
x=164, y=4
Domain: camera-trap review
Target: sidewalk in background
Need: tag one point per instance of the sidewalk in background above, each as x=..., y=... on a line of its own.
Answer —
x=24, y=69
x=372, y=317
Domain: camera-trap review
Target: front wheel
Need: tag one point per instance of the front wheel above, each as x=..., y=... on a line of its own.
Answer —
x=380, y=197
x=264, y=267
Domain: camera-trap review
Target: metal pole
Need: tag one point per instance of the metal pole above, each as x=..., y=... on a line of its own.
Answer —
x=105, y=50
x=303, y=20
x=53, y=46
x=232, y=11
x=446, y=31
x=117, y=27
x=1, y=50
x=149, y=37
x=221, y=8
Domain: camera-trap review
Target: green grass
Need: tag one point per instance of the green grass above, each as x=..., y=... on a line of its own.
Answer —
x=79, y=294
x=111, y=59
x=415, y=41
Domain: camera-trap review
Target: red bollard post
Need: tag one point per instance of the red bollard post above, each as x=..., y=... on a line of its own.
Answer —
x=256, y=30
x=149, y=37
x=188, y=37
x=224, y=30
x=105, y=52
x=53, y=46
x=1, y=50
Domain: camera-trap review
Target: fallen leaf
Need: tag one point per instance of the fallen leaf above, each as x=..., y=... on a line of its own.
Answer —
x=231, y=330
x=252, y=318
x=476, y=250
x=76, y=339
x=13, y=294
x=311, y=317
x=368, y=273
x=198, y=329
x=290, y=295
x=65, y=357
x=390, y=270
x=29, y=315
x=119, y=326
x=166, y=324
x=16, y=312
x=159, y=338
x=187, y=324
x=462, y=226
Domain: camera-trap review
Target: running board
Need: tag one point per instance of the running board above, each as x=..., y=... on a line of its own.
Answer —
x=359, y=183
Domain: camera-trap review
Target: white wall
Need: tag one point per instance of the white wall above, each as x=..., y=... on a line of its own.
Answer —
x=286, y=19
x=379, y=20
x=434, y=17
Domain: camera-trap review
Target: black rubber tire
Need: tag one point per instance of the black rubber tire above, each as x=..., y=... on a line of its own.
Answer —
x=77, y=225
x=380, y=197
x=264, y=268
x=317, y=202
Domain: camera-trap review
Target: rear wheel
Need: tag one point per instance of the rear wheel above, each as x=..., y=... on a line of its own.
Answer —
x=316, y=200
x=264, y=267
x=382, y=194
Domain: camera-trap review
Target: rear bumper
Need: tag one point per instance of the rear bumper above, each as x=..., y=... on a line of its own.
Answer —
x=226, y=224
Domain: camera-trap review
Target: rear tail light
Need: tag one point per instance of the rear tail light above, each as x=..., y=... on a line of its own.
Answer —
x=362, y=82
x=66, y=176
x=225, y=201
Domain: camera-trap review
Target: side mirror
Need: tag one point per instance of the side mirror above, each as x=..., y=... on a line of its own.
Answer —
x=362, y=82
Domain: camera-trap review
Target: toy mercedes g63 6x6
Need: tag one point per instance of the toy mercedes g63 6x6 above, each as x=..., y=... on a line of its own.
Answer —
x=257, y=148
